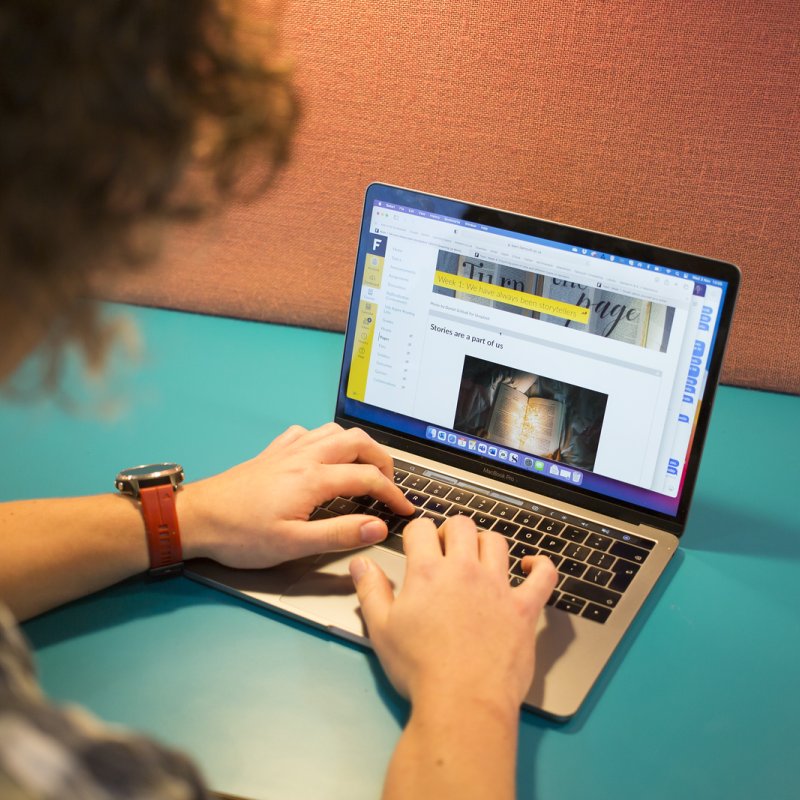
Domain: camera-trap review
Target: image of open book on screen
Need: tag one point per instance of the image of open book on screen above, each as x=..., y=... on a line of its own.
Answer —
x=533, y=424
x=525, y=411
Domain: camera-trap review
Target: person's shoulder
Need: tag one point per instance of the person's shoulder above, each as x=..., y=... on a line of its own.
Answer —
x=51, y=751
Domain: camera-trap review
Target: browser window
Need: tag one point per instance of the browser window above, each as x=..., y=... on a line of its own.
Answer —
x=582, y=366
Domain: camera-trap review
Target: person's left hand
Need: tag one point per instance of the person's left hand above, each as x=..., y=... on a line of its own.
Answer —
x=257, y=514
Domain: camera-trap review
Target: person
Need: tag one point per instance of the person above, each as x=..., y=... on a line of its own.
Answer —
x=118, y=117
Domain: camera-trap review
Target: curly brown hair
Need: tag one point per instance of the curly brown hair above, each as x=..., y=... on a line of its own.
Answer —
x=115, y=115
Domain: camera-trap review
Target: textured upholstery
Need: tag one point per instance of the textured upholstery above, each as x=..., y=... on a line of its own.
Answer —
x=671, y=122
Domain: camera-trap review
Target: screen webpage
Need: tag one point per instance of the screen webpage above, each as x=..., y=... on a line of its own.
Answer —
x=579, y=366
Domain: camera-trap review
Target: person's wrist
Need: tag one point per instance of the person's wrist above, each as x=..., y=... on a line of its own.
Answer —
x=454, y=696
x=198, y=529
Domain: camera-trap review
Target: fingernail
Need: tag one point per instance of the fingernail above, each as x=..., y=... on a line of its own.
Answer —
x=373, y=531
x=358, y=567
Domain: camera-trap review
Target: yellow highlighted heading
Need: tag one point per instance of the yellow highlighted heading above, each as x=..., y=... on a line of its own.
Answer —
x=512, y=297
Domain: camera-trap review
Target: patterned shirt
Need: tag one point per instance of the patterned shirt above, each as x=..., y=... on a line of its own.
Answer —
x=47, y=751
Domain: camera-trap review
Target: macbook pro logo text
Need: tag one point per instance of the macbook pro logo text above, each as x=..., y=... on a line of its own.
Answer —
x=496, y=473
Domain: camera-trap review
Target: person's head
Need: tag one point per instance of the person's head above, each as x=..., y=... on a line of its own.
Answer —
x=116, y=115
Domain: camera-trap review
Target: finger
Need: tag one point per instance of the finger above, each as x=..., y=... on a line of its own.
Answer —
x=291, y=434
x=354, y=480
x=336, y=533
x=322, y=432
x=493, y=551
x=355, y=445
x=460, y=537
x=541, y=580
x=374, y=593
x=421, y=540
x=302, y=437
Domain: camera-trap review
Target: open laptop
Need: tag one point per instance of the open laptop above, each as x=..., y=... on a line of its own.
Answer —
x=553, y=383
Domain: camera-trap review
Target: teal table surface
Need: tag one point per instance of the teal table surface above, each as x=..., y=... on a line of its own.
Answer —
x=702, y=700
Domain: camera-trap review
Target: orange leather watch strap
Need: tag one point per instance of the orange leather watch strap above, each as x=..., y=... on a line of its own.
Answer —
x=163, y=532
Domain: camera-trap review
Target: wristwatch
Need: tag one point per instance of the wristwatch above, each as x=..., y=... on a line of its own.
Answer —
x=154, y=486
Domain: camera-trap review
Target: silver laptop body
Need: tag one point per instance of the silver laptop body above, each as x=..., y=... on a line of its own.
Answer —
x=564, y=374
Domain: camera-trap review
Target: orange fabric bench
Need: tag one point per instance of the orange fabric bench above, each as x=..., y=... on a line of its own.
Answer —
x=673, y=123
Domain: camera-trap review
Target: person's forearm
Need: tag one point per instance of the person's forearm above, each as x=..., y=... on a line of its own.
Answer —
x=53, y=551
x=455, y=746
x=253, y=515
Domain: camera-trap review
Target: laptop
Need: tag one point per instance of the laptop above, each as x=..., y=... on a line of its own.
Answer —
x=553, y=383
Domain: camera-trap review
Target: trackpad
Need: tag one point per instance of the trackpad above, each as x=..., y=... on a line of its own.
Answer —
x=326, y=591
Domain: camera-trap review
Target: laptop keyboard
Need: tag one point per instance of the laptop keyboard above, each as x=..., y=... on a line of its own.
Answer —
x=596, y=564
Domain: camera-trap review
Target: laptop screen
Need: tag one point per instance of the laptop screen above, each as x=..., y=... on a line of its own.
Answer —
x=579, y=361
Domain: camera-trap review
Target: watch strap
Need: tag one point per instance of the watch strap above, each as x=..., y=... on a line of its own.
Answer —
x=163, y=532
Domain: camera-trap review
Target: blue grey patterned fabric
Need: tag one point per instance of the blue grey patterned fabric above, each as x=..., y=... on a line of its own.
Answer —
x=47, y=751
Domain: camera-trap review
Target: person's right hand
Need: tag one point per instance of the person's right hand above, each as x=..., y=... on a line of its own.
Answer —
x=456, y=625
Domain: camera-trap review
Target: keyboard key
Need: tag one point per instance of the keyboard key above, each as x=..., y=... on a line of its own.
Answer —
x=392, y=542
x=516, y=569
x=552, y=543
x=570, y=608
x=460, y=496
x=364, y=500
x=438, y=519
x=596, y=613
x=455, y=510
x=648, y=544
x=399, y=475
x=416, y=482
x=602, y=560
x=599, y=577
x=548, y=525
x=321, y=513
x=391, y=520
x=622, y=566
x=576, y=551
x=396, y=524
x=516, y=580
x=597, y=594
x=341, y=505
x=598, y=542
x=505, y=511
x=438, y=489
x=437, y=506
x=554, y=598
x=521, y=550
x=575, y=534
x=527, y=518
x=570, y=567
x=505, y=527
x=624, y=573
x=527, y=535
x=483, y=504
x=556, y=559
x=417, y=498
x=629, y=552
x=400, y=524
x=483, y=520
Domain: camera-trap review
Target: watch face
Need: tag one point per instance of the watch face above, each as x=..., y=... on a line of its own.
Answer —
x=132, y=480
x=150, y=471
